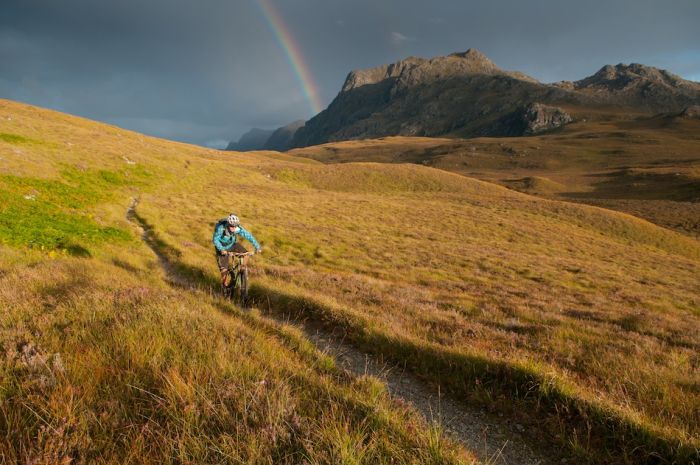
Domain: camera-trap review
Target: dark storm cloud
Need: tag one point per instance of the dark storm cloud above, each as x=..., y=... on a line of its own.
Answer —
x=205, y=71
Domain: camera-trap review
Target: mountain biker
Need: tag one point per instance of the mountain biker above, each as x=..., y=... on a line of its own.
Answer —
x=225, y=239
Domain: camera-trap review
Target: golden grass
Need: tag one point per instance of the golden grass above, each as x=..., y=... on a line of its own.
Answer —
x=599, y=300
x=631, y=163
x=102, y=363
x=583, y=320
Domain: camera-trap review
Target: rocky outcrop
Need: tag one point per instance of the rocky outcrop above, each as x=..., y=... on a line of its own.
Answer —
x=692, y=112
x=537, y=118
x=531, y=119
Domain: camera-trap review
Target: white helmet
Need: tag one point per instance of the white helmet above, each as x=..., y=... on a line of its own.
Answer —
x=233, y=220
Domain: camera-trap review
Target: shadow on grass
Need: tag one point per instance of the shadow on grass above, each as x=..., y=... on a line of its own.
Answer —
x=76, y=250
x=188, y=277
x=591, y=432
x=594, y=433
x=631, y=185
x=178, y=273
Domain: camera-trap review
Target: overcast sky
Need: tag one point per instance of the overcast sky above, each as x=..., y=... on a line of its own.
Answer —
x=206, y=71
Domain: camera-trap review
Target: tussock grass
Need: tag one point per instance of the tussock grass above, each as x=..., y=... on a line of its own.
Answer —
x=377, y=178
x=14, y=138
x=537, y=185
x=583, y=320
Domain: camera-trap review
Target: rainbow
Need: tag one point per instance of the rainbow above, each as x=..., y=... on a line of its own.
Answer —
x=293, y=53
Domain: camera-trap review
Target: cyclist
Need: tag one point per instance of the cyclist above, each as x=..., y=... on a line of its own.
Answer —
x=226, y=233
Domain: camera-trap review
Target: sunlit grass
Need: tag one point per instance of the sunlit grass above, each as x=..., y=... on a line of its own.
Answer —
x=580, y=321
x=603, y=304
x=632, y=163
x=55, y=214
x=103, y=364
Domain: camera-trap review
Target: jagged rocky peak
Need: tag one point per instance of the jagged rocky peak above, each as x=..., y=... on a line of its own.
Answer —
x=641, y=86
x=471, y=61
x=362, y=77
x=471, y=54
x=620, y=75
x=415, y=70
x=474, y=56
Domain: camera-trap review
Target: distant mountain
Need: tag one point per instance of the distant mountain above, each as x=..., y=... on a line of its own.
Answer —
x=281, y=139
x=466, y=95
x=254, y=139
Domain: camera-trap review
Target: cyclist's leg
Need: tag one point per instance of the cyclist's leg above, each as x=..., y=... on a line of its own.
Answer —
x=222, y=261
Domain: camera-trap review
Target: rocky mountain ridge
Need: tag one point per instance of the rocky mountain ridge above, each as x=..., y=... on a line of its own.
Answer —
x=468, y=95
x=639, y=86
x=414, y=71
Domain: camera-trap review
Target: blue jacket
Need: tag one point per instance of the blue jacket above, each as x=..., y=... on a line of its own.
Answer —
x=224, y=240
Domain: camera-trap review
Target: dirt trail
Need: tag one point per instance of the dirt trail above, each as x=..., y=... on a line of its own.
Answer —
x=493, y=439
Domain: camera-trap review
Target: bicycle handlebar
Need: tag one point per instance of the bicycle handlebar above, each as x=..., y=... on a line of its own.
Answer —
x=239, y=254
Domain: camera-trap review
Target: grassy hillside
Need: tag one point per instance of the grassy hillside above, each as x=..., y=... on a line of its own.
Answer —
x=649, y=167
x=579, y=322
x=102, y=361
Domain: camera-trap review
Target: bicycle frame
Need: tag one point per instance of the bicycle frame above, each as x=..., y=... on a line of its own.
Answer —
x=238, y=277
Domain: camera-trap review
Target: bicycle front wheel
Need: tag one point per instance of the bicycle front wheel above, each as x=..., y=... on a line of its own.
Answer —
x=243, y=275
x=227, y=285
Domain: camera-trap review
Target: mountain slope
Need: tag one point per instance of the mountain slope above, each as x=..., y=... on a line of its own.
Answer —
x=281, y=139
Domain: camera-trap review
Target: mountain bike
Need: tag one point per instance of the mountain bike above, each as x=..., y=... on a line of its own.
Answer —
x=235, y=286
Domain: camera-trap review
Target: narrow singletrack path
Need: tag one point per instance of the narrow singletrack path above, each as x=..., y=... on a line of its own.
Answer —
x=493, y=439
